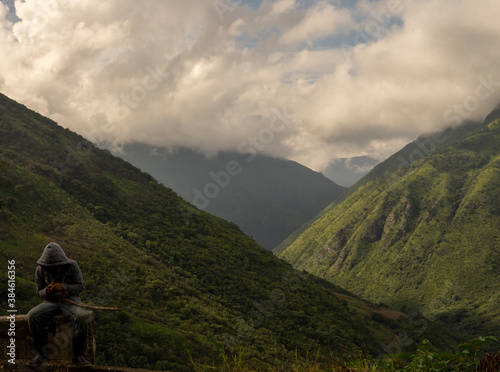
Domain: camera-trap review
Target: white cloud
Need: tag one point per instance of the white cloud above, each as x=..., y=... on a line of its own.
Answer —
x=282, y=6
x=319, y=21
x=175, y=74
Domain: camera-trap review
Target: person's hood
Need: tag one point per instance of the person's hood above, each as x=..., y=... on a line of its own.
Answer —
x=53, y=256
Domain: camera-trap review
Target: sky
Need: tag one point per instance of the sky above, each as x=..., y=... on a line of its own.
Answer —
x=307, y=80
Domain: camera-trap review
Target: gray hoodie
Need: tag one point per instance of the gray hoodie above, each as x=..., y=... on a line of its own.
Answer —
x=55, y=267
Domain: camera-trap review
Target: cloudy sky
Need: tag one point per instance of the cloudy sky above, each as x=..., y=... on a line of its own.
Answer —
x=309, y=80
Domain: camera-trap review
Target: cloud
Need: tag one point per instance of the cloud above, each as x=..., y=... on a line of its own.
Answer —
x=319, y=21
x=363, y=80
x=282, y=6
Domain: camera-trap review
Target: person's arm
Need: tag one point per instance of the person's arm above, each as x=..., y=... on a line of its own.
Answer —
x=74, y=284
x=41, y=284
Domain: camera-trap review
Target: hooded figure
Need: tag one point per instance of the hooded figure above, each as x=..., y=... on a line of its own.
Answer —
x=58, y=277
x=55, y=267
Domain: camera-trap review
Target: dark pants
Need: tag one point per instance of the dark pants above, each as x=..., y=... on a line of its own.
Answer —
x=40, y=315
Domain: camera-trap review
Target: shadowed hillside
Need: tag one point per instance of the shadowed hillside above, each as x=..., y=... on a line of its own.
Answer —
x=268, y=198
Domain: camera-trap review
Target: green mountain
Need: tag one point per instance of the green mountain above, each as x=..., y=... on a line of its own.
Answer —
x=194, y=289
x=420, y=233
x=409, y=156
x=417, y=150
x=267, y=198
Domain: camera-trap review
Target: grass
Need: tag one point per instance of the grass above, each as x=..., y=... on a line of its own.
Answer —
x=427, y=358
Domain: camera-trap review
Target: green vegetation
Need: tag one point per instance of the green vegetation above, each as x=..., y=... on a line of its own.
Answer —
x=409, y=156
x=190, y=284
x=423, y=238
x=267, y=198
x=466, y=357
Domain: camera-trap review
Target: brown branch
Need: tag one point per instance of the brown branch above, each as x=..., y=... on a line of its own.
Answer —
x=90, y=306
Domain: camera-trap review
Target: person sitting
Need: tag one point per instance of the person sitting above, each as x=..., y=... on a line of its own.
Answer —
x=58, y=277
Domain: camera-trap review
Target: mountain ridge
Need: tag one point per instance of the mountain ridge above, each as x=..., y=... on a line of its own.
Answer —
x=267, y=197
x=420, y=237
x=410, y=154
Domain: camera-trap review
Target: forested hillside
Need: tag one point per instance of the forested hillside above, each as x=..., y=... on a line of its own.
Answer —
x=192, y=286
x=423, y=237
x=268, y=198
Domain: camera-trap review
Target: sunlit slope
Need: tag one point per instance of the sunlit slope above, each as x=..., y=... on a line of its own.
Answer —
x=410, y=155
x=425, y=238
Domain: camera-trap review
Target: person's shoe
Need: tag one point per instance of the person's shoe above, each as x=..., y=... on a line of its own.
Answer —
x=81, y=361
x=38, y=360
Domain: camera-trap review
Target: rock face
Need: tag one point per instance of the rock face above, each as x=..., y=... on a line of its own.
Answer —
x=60, y=347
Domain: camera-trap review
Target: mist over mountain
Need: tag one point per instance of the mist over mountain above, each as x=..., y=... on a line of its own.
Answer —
x=420, y=232
x=313, y=81
x=268, y=198
x=347, y=171
x=153, y=151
